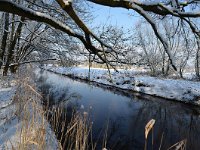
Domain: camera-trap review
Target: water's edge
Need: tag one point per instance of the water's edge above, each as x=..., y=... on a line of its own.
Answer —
x=126, y=92
x=126, y=111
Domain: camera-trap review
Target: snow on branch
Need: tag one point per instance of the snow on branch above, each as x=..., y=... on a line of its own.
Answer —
x=155, y=7
x=157, y=33
x=67, y=6
x=163, y=8
x=11, y=7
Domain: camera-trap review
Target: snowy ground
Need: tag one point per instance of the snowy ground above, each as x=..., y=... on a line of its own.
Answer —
x=10, y=122
x=136, y=80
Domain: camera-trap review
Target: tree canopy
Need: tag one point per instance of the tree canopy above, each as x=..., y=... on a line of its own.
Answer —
x=185, y=10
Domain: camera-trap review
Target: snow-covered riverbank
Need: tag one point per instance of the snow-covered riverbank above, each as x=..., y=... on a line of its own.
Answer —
x=17, y=131
x=181, y=90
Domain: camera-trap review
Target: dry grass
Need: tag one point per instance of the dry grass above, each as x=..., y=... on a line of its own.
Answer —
x=150, y=127
x=179, y=145
x=74, y=134
x=33, y=132
x=33, y=129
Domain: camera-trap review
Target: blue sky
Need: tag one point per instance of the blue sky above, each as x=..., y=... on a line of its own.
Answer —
x=114, y=16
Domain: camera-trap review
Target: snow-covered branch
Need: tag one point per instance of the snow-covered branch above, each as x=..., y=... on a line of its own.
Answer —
x=89, y=39
x=170, y=7
x=157, y=33
x=11, y=7
x=159, y=8
x=71, y=12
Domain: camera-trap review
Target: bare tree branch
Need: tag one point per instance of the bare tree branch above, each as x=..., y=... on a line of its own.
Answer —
x=11, y=7
x=155, y=7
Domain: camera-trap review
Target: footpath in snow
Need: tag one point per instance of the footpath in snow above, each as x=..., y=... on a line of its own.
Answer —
x=181, y=90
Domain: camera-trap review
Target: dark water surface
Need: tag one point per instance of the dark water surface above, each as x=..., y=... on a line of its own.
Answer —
x=125, y=115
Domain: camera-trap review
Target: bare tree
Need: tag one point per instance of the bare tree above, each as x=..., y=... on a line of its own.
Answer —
x=4, y=38
x=161, y=8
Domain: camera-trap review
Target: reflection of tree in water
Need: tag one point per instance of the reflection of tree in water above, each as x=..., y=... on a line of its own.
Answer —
x=60, y=104
x=54, y=93
x=115, y=138
x=108, y=132
x=175, y=121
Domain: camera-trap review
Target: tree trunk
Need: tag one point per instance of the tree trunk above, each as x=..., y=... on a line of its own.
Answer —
x=167, y=68
x=181, y=72
x=197, y=61
x=163, y=63
x=12, y=46
x=4, y=38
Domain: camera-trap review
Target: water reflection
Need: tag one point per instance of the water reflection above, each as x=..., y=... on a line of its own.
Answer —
x=124, y=116
x=55, y=92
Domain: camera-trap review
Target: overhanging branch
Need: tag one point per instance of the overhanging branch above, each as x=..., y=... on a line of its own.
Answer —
x=11, y=7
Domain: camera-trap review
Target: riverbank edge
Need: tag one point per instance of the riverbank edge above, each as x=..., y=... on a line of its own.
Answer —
x=123, y=90
x=14, y=127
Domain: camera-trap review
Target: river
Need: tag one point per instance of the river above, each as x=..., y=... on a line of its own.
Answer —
x=125, y=114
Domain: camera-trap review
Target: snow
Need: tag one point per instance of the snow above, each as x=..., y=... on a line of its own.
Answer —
x=47, y=1
x=5, y=96
x=136, y=80
x=10, y=122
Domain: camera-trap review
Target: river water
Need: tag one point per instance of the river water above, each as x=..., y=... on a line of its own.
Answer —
x=124, y=116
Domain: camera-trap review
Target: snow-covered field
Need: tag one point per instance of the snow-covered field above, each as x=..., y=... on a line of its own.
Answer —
x=136, y=80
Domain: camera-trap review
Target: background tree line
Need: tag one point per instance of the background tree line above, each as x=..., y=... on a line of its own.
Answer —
x=166, y=39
